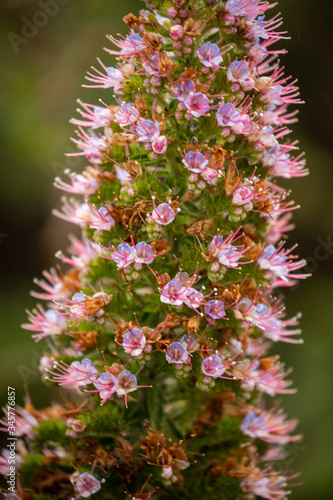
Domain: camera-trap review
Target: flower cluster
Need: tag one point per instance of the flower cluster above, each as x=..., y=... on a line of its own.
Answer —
x=175, y=279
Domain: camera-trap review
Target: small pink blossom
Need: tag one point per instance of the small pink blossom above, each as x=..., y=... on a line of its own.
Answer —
x=215, y=309
x=75, y=426
x=77, y=374
x=177, y=353
x=111, y=78
x=270, y=426
x=174, y=293
x=209, y=55
x=106, y=385
x=82, y=253
x=213, y=366
x=270, y=380
x=94, y=116
x=224, y=250
x=195, y=161
x=84, y=184
x=176, y=32
x=83, y=306
x=94, y=147
x=127, y=115
x=160, y=144
x=197, y=104
x=25, y=423
x=86, y=484
x=280, y=265
x=46, y=323
x=163, y=214
x=134, y=342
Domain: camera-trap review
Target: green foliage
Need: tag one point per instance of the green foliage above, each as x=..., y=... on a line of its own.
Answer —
x=31, y=463
x=50, y=432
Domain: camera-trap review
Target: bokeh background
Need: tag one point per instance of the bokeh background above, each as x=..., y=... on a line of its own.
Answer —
x=40, y=81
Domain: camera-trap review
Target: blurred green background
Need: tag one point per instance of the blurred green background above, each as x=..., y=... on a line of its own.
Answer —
x=40, y=82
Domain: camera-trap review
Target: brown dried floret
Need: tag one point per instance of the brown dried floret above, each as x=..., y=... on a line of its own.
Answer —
x=219, y=155
x=267, y=363
x=231, y=179
x=133, y=168
x=192, y=26
x=160, y=246
x=199, y=228
x=162, y=280
x=248, y=288
x=96, y=302
x=192, y=324
x=165, y=64
x=87, y=340
x=152, y=41
x=122, y=329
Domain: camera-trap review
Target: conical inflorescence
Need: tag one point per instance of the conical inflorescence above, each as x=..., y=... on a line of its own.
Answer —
x=160, y=324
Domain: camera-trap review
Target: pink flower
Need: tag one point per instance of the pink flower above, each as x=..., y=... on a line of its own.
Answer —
x=194, y=298
x=183, y=90
x=75, y=425
x=100, y=219
x=228, y=116
x=94, y=116
x=127, y=115
x=93, y=147
x=134, y=342
x=86, y=214
x=214, y=367
x=126, y=383
x=176, y=32
x=46, y=323
x=246, y=8
x=197, y=104
x=111, y=78
x=163, y=214
x=25, y=423
x=271, y=380
x=238, y=71
x=243, y=196
x=86, y=484
x=174, y=293
x=54, y=288
x=160, y=144
x=82, y=253
x=124, y=256
x=143, y=253
x=6, y=459
x=130, y=46
x=77, y=374
x=215, y=309
x=147, y=130
x=83, y=306
x=270, y=426
x=279, y=264
x=225, y=252
x=209, y=55
x=279, y=330
x=177, y=353
x=195, y=161
x=272, y=485
x=258, y=315
x=85, y=184
x=106, y=385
